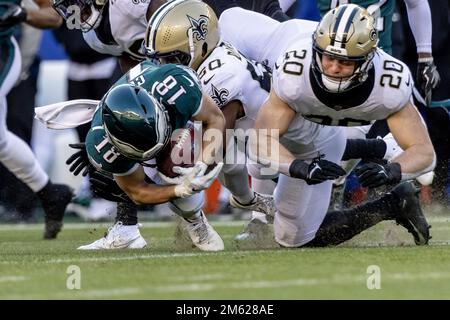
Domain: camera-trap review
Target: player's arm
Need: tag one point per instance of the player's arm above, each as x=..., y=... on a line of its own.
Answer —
x=44, y=17
x=141, y=192
x=412, y=136
x=272, y=122
x=419, y=17
x=213, y=123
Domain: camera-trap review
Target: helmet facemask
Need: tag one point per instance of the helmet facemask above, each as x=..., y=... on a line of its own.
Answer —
x=90, y=11
x=346, y=33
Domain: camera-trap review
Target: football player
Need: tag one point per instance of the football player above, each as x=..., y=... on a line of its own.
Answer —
x=133, y=123
x=340, y=78
x=419, y=16
x=15, y=154
x=238, y=86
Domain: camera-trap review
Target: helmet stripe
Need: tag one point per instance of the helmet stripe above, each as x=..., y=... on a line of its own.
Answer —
x=343, y=22
x=155, y=20
x=336, y=24
x=347, y=27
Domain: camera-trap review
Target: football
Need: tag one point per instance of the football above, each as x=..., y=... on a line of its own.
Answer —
x=180, y=151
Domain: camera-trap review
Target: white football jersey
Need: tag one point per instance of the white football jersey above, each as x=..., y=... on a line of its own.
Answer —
x=387, y=89
x=226, y=75
x=259, y=37
x=127, y=22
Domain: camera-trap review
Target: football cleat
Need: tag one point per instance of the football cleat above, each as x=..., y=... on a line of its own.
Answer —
x=118, y=237
x=263, y=203
x=54, y=209
x=255, y=230
x=203, y=235
x=410, y=213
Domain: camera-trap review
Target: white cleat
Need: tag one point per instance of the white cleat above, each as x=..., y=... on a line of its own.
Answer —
x=118, y=237
x=263, y=203
x=203, y=235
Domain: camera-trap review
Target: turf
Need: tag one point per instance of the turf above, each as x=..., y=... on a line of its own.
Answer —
x=31, y=268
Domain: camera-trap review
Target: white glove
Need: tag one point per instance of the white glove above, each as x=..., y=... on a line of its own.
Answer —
x=168, y=181
x=196, y=182
x=201, y=166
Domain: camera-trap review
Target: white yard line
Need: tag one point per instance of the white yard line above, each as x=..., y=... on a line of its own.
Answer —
x=12, y=278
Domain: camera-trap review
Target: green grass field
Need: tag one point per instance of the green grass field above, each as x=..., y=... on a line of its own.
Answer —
x=31, y=268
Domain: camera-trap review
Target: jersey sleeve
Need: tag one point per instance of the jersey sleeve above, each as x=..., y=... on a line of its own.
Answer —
x=396, y=83
x=285, y=79
x=103, y=155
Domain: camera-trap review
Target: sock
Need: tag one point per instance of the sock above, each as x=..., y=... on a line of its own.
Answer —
x=195, y=217
x=342, y=225
x=364, y=148
x=127, y=213
x=239, y=186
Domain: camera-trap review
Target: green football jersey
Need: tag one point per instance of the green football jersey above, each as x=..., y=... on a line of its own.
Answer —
x=383, y=10
x=6, y=32
x=178, y=90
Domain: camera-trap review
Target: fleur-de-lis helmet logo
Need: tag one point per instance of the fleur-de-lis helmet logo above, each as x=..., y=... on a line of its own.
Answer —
x=199, y=27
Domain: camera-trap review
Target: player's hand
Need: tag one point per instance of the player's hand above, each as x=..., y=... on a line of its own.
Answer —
x=427, y=78
x=372, y=175
x=79, y=160
x=197, y=181
x=14, y=14
x=199, y=166
x=319, y=170
x=104, y=186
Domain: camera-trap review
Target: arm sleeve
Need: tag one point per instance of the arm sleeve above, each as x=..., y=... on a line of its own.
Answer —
x=419, y=17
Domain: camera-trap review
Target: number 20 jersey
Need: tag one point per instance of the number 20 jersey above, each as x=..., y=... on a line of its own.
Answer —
x=386, y=90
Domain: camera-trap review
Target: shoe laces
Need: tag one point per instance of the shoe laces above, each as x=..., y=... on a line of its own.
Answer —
x=112, y=231
x=200, y=228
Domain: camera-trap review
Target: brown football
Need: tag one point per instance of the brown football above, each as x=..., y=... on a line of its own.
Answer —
x=178, y=152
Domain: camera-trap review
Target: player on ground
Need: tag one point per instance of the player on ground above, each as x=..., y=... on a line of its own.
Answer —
x=340, y=78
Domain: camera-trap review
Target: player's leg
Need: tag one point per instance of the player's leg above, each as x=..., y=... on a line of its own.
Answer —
x=194, y=221
x=260, y=224
x=401, y=204
x=234, y=177
x=18, y=158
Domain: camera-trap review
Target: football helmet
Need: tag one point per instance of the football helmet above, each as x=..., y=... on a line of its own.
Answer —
x=90, y=11
x=347, y=32
x=182, y=31
x=135, y=122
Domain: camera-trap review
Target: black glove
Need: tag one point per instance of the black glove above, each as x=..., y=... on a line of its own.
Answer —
x=79, y=160
x=372, y=175
x=319, y=170
x=14, y=14
x=104, y=186
x=427, y=78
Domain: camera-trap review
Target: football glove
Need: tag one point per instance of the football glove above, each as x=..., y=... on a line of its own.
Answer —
x=14, y=14
x=104, y=186
x=427, y=78
x=319, y=170
x=197, y=181
x=372, y=175
x=79, y=160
